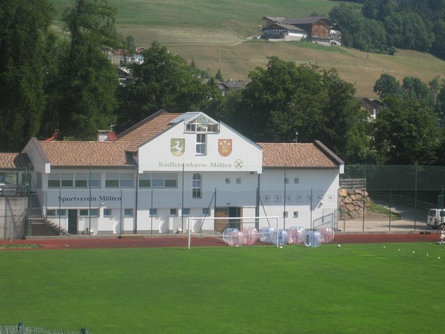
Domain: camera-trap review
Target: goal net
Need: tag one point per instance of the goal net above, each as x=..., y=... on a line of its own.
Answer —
x=234, y=231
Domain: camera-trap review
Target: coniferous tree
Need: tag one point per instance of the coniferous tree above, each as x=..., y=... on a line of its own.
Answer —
x=24, y=32
x=84, y=98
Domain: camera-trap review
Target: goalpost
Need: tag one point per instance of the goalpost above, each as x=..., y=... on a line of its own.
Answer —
x=215, y=226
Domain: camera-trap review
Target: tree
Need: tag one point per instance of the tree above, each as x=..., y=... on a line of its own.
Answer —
x=84, y=96
x=387, y=85
x=164, y=80
x=284, y=98
x=218, y=76
x=438, y=47
x=24, y=30
x=406, y=132
x=416, y=88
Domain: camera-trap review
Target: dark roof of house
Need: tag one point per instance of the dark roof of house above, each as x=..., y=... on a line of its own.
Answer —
x=303, y=20
x=284, y=26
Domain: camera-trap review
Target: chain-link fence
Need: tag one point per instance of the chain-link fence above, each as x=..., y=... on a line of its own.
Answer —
x=399, y=196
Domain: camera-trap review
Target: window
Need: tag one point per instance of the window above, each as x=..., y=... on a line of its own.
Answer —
x=107, y=212
x=50, y=212
x=285, y=214
x=202, y=124
x=286, y=180
x=112, y=180
x=174, y=212
x=201, y=144
x=186, y=212
x=83, y=212
x=295, y=214
x=296, y=180
x=196, y=186
x=126, y=180
x=70, y=180
x=61, y=213
x=238, y=180
x=54, y=180
x=119, y=180
x=9, y=177
x=205, y=211
x=94, y=212
x=81, y=180
x=67, y=180
x=128, y=212
x=153, y=212
x=158, y=180
x=227, y=180
x=94, y=180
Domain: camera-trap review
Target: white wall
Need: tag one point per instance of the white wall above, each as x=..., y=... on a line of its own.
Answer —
x=156, y=155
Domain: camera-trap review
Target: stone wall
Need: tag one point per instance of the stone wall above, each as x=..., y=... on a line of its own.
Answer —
x=352, y=203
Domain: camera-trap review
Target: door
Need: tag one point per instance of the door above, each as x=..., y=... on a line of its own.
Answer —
x=235, y=211
x=231, y=211
x=72, y=221
x=221, y=224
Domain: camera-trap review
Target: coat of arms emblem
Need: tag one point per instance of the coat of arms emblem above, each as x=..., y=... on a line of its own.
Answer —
x=225, y=147
x=177, y=146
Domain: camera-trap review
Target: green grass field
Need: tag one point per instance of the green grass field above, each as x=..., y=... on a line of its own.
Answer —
x=367, y=288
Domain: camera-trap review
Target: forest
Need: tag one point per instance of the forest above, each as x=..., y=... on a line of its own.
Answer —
x=384, y=25
x=66, y=82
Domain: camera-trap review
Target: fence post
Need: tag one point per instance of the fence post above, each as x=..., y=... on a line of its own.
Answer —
x=364, y=205
x=389, y=215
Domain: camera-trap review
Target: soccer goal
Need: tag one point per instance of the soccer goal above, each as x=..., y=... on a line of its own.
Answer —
x=236, y=230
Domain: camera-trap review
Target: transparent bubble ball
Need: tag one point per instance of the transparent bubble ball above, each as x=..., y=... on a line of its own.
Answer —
x=265, y=234
x=296, y=235
x=327, y=235
x=249, y=235
x=282, y=237
x=232, y=236
x=312, y=239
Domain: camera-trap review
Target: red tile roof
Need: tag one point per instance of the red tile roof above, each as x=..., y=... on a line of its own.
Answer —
x=300, y=155
x=87, y=153
x=13, y=160
x=147, y=129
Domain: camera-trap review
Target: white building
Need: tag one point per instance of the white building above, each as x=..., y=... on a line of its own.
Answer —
x=171, y=166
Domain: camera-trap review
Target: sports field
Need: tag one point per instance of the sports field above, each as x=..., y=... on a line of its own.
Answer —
x=355, y=288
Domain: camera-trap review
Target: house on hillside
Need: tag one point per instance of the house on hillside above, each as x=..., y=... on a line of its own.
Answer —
x=373, y=107
x=230, y=85
x=317, y=29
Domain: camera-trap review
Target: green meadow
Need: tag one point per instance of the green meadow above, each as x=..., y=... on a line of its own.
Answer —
x=355, y=288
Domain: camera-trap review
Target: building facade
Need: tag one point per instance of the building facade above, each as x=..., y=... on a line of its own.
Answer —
x=152, y=177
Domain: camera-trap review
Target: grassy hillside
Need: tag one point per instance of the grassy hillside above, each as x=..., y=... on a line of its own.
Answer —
x=216, y=35
x=353, y=66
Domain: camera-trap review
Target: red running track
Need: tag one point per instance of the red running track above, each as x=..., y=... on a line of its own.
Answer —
x=181, y=241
